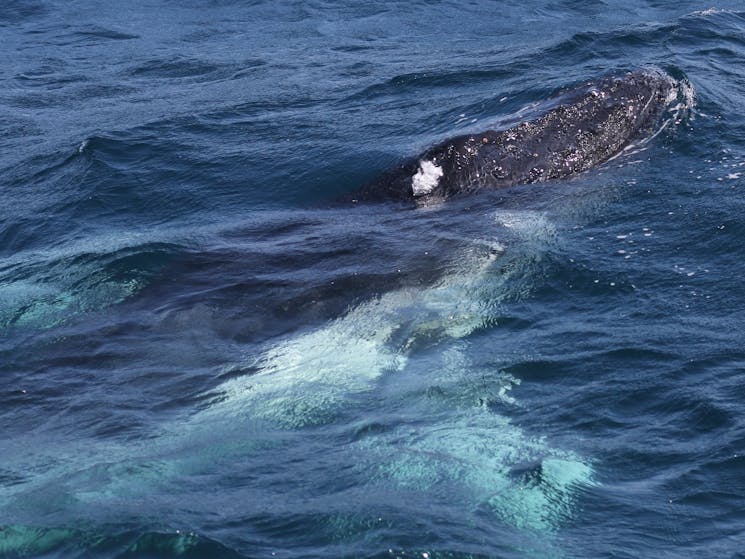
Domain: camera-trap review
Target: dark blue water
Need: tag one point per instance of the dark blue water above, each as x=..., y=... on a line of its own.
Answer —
x=204, y=354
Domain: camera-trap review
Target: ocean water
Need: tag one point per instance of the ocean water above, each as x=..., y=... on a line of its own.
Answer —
x=204, y=354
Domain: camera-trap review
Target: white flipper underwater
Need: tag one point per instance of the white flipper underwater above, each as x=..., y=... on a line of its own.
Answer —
x=406, y=345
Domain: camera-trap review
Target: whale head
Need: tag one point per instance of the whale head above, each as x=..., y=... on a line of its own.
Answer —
x=579, y=129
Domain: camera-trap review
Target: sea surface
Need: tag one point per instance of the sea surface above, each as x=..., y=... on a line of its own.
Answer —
x=205, y=354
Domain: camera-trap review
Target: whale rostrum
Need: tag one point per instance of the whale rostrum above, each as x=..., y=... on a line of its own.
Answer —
x=584, y=127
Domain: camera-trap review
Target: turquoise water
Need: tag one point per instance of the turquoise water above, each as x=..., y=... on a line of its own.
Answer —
x=205, y=354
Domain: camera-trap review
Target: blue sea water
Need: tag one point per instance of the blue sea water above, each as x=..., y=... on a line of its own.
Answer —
x=204, y=354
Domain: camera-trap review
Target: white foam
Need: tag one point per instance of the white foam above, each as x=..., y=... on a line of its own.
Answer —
x=681, y=100
x=425, y=181
x=711, y=11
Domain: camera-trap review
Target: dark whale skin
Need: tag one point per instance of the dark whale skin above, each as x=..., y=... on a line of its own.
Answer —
x=587, y=126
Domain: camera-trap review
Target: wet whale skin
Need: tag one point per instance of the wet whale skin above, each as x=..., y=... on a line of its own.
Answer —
x=587, y=125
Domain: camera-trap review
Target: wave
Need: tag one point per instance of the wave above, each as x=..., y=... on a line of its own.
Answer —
x=41, y=294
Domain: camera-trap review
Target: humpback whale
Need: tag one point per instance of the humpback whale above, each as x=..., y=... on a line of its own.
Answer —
x=584, y=127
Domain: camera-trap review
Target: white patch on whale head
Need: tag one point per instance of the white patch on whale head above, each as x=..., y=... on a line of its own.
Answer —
x=426, y=179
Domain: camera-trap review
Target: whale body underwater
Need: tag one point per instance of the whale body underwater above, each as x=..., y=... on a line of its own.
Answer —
x=584, y=127
x=408, y=344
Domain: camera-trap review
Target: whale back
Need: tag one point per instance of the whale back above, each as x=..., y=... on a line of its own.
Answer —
x=587, y=126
